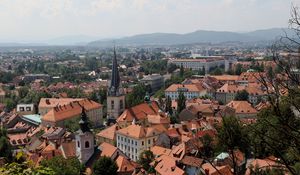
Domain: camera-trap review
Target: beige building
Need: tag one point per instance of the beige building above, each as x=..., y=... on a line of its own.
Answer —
x=25, y=109
x=47, y=104
x=135, y=139
x=108, y=135
x=227, y=92
x=62, y=114
x=190, y=91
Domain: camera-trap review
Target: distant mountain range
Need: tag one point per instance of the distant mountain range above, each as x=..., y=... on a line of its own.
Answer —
x=200, y=36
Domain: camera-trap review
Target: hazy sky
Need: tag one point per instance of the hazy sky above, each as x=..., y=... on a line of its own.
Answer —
x=37, y=20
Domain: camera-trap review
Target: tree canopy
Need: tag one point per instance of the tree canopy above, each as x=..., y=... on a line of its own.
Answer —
x=104, y=166
x=62, y=166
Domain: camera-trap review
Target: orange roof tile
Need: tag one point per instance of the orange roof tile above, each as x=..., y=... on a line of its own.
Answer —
x=157, y=150
x=139, y=112
x=242, y=107
x=68, y=149
x=107, y=149
x=124, y=164
x=224, y=170
x=189, y=87
x=53, y=102
x=226, y=77
x=230, y=88
x=137, y=131
x=68, y=111
x=109, y=132
x=166, y=165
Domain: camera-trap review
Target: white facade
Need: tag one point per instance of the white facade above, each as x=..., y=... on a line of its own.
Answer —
x=25, y=108
x=133, y=147
x=198, y=64
x=84, y=146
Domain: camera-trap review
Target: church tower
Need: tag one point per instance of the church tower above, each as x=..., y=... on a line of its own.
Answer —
x=84, y=140
x=115, y=94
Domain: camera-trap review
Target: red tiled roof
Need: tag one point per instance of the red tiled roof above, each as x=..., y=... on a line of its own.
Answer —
x=242, y=107
x=137, y=131
x=139, y=112
x=70, y=110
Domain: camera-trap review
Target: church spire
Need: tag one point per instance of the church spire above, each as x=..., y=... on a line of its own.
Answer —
x=115, y=78
x=83, y=123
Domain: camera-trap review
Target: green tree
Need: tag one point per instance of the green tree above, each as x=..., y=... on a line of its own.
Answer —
x=181, y=73
x=181, y=102
x=171, y=67
x=22, y=167
x=238, y=69
x=232, y=136
x=23, y=91
x=5, y=147
x=168, y=107
x=208, y=148
x=241, y=95
x=136, y=96
x=145, y=158
x=25, y=168
x=104, y=166
x=62, y=166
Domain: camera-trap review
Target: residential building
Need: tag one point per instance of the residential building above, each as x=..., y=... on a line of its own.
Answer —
x=32, y=77
x=190, y=91
x=115, y=94
x=25, y=109
x=167, y=165
x=47, y=104
x=155, y=81
x=62, y=114
x=209, y=169
x=207, y=63
x=242, y=109
x=230, y=79
x=227, y=92
x=271, y=163
x=138, y=114
x=250, y=77
x=135, y=139
x=108, y=135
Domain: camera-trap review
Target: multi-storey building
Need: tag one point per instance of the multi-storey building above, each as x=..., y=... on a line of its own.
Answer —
x=63, y=114
x=207, y=63
x=47, y=104
x=242, y=109
x=24, y=109
x=190, y=91
x=135, y=139
x=227, y=92
x=155, y=81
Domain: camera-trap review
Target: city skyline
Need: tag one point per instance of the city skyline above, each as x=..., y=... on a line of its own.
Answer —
x=40, y=20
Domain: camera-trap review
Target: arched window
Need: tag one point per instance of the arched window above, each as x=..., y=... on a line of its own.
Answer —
x=87, y=144
x=78, y=144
